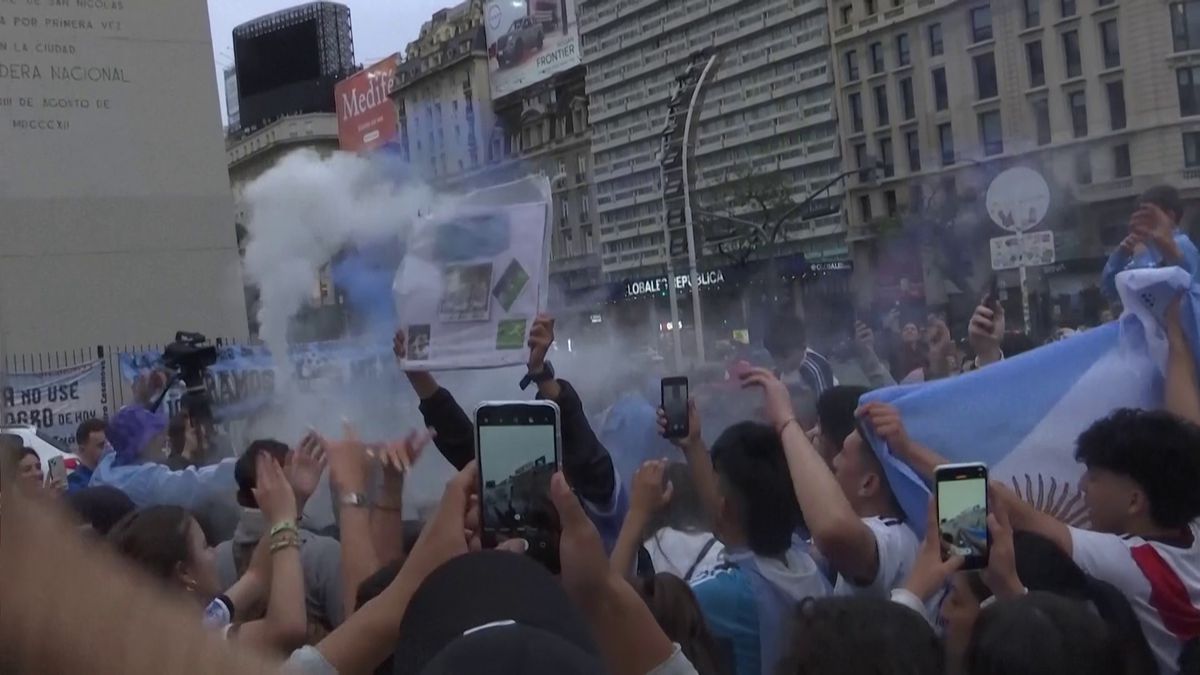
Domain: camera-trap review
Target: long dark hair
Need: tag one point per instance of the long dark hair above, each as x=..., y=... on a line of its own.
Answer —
x=1070, y=638
x=678, y=613
x=858, y=635
x=155, y=539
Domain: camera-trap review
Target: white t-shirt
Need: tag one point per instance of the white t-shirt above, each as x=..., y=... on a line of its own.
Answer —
x=1161, y=581
x=675, y=551
x=897, y=546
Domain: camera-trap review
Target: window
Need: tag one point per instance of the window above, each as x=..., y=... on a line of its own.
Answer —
x=991, y=135
x=1191, y=149
x=1071, y=53
x=1037, y=68
x=1066, y=8
x=907, y=104
x=1033, y=13
x=1110, y=43
x=851, y=65
x=1077, y=100
x=847, y=12
x=887, y=158
x=1083, y=167
x=1185, y=24
x=1121, y=164
x=584, y=209
x=875, y=52
x=981, y=23
x=864, y=207
x=912, y=144
x=889, y=198
x=860, y=156
x=1041, y=117
x=985, y=76
x=563, y=211
x=881, y=106
x=1189, y=90
x=946, y=143
x=856, y=116
x=903, y=57
x=871, y=9
x=941, y=97
x=1116, y=104
x=935, y=39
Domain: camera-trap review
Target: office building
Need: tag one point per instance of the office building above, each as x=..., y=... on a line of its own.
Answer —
x=767, y=120
x=1099, y=96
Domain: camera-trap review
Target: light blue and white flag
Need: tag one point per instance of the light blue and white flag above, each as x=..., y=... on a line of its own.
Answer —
x=1022, y=416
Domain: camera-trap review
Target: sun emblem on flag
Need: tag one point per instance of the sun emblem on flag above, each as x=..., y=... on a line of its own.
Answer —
x=1061, y=499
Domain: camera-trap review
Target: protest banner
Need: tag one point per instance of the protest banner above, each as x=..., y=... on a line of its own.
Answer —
x=56, y=401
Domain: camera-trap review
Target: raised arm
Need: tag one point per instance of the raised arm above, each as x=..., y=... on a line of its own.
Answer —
x=650, y=495
x=1182, y=393
x=885, y=419
x=838, y=532
x=877, y=373
x=454, y=434
x=387, y=513
x=699, y=462
x=156, y=485
x=349, y=469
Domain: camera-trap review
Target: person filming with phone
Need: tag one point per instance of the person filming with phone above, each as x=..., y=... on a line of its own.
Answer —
x=1154, y=240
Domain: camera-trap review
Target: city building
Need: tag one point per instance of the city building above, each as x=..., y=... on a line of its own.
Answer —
x=248, y=155
x=766, y=141
x=1099, y=96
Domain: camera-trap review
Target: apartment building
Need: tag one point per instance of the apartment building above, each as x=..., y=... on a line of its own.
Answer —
x=768, y=112
x=1102, y=97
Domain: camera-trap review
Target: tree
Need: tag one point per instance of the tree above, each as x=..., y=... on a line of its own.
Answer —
x=745, y=215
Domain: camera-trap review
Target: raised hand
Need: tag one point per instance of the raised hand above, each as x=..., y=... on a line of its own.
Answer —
x=305, y=464
x=693, y=437
x=272, y=491
x=649, y=493
x=400, y=344
x=541, y=336
x=349, y=461
x=886, y=422
x=985, y=333
x=585, y=569
x=397, y=457
x=777, y=401
x=1153, y=225
x=929, y=572
x=1001, y=573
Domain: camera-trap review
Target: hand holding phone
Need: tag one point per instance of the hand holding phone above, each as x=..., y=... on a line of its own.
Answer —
x=962, y=511
x=675, y=406
x=56, y=471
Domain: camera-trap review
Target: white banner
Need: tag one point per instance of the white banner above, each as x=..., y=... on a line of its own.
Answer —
x=56, y=401
x=470, y=285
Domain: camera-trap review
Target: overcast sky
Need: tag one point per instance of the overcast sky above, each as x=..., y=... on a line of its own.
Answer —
x=381, y=27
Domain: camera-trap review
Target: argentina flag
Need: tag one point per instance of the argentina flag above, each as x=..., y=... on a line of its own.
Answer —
x=1021, y=416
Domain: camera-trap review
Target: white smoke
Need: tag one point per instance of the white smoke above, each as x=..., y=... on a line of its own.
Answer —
x=306, y=209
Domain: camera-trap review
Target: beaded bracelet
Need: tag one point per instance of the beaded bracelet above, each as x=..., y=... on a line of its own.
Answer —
x=285, y=526
x=290, y=542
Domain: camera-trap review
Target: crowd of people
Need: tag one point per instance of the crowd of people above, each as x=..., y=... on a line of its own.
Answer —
x=777, y=545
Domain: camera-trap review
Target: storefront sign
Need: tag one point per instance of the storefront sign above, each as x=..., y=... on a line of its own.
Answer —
x=635, y=289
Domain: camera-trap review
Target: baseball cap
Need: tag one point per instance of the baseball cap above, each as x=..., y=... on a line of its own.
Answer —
x=498, y=613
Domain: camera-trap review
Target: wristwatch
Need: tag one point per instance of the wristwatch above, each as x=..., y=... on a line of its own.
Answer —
x=546, y=375
x=355, y=499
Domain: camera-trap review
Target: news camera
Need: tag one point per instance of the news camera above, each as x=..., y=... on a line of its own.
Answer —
x=188, y=358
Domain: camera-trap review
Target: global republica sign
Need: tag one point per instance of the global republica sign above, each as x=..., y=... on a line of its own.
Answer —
x=641, y=287
x=528, y=41
x=366, y=116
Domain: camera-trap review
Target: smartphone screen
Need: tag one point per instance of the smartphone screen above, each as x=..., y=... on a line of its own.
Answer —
x=962, y=512
x=675, y=405
x=57, y=470
x=517, y=445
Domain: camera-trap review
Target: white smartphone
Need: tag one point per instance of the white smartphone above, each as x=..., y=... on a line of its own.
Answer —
x=962, y=508
x=56, y=470
x=518, y=445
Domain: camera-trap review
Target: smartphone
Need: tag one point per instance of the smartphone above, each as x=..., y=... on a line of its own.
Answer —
x=992, y=301
x=675, y=405
x=519, y=447
x=962, y=509
x=56, y=470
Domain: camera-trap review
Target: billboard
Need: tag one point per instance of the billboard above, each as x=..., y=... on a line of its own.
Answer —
x=366, y=116
x=232, y=108
x=528, y=41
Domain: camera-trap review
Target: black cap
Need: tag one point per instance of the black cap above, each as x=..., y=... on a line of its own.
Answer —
x=498, y=613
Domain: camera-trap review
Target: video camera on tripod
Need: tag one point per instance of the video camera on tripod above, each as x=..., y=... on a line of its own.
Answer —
x=188, y=357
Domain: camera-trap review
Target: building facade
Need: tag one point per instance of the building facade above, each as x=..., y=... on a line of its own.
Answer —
x=767, y=124
x=1096, y=95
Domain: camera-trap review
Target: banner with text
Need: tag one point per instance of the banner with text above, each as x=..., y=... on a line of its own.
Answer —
x=57, y=401
x=528, y=41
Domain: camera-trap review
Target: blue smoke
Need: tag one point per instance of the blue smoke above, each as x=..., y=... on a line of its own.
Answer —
x=364, y=276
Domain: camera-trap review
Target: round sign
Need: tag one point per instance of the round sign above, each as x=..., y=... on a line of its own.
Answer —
x=1018, y=199
x=494, y=15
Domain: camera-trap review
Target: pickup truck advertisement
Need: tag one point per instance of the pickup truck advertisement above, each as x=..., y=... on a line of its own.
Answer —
x=528, y=41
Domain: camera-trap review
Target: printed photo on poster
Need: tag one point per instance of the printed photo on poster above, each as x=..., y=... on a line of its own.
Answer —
x=418, y=343
x=510, y=334
x=467, y=295
x=510, y=285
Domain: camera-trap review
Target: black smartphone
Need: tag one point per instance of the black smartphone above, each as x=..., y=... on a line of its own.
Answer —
x=962, y=509
x=992, y=301
x=519, y=448
x=675, y=405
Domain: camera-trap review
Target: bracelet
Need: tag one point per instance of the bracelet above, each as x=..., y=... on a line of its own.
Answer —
x=290, y=542
x=783, y=427
x=284, y=526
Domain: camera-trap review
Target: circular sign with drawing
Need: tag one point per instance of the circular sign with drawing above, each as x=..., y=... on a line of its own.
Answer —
x=1018, y=199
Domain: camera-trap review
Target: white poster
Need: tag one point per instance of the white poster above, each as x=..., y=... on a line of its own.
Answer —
x=56, y=401
x=528, y=41
x=471, y=283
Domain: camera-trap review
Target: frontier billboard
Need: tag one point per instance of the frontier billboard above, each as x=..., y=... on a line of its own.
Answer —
x=528, y=41
x=366, y=116
x=116, y=216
